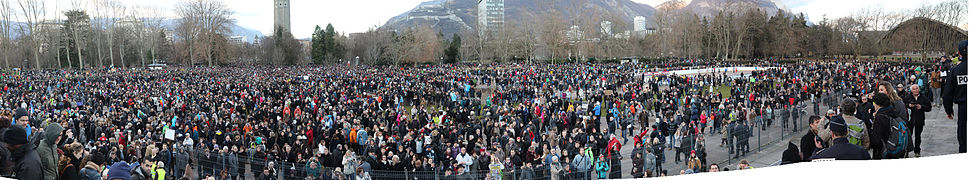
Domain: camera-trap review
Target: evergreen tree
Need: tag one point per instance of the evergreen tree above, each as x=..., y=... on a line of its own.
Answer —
x=452, y=53
x=317, y=51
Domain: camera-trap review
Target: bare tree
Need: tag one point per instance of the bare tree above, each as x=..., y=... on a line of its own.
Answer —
x=373, y=44
x=6, y=16
x=150, y=22
x=207, y=21
x=33, y=13
x=521, y=42
x=552, y=33
x=469, y=45
x=99, y=25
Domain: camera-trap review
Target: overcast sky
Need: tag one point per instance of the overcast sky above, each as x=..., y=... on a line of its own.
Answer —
x=358, y=15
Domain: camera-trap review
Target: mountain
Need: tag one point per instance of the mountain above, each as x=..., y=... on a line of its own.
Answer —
x=443, y=15
x=237, y=30
x=454, y=16
x=246, y=32
x=705, y=8
x=673, y=4
x=13, y=33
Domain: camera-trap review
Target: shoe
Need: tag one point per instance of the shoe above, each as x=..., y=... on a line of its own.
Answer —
x=918, y=154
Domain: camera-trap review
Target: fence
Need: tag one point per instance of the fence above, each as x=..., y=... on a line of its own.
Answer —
x=763, y=133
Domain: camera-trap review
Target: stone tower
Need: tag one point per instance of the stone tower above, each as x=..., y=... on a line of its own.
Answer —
x=281, y=15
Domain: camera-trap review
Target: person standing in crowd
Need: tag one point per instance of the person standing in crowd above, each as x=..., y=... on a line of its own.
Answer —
x=954, y=92
x=791, y=154
x=919, y=104
x=181, y=160
x=882, y=124
x=48, y=150
x=841, y=149
x=22, y=154
x=465, y=160
x=897, y=102
x=660, y=155
x=785, y=115
x=858, y=132
x=70, y=162
x=91, y=170
x=602, y=168
x=119, y=171
x=808, y=146
x=649, y=161
x=349, y=164
x=865, y=110
x=582, y=163
x=796, y=109
x=141, y=171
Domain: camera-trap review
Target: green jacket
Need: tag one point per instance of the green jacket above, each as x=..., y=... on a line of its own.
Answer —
x=47, y=150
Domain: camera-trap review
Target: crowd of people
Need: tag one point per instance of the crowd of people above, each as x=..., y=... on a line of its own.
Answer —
x=471, y=121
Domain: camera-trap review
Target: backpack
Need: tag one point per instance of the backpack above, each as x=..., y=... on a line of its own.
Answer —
x=856, y=133
x=897, y=144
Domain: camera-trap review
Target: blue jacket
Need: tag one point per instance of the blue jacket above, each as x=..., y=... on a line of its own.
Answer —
x=602, y=167
x=362, y=137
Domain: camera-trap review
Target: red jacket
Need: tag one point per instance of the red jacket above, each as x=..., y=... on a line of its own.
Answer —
x=614, y=145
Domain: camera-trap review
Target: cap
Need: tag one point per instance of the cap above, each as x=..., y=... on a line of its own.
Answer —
x=837, y=124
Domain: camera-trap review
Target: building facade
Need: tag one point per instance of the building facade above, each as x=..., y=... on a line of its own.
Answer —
x=639, y=26
x=639, y=23
x=491, y=16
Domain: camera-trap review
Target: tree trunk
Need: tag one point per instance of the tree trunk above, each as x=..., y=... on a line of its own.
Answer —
x=121, y=55
x=69, y=64
x=80, y=58
x=36, y=53
x=58, y=58
x=111, y=47
x=208, y=49
x=100, y=55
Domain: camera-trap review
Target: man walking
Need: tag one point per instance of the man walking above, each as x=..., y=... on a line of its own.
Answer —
x=919, y=104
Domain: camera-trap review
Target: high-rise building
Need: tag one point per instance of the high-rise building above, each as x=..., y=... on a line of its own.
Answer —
x=574, y=33
x=606, y=28
x=639, y=23
x=491, y=16
x=281, y=15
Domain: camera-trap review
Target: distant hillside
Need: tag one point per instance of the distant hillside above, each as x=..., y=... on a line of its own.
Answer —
x=454, y=16
x=236, y=30
x=712, y=7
